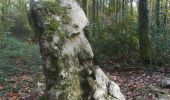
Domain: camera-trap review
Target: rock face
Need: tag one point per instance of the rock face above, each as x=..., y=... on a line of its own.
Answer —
x=67, y=55
x=165, y=83
x=106, y=89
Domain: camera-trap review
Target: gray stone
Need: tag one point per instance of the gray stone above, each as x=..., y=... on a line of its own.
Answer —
x=106, y=89
x=67, y=55
x=165, y=83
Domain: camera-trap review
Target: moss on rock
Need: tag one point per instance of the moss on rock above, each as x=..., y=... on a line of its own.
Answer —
x=49, y=13
x=65, y=76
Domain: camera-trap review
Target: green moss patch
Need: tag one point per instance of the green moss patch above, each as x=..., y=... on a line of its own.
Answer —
x=47, y=12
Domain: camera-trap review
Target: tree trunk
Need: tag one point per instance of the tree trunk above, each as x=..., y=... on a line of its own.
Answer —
x=144, y=42
x=157, y=13
x=94, y=17
x=67, y=55
x=85, y=7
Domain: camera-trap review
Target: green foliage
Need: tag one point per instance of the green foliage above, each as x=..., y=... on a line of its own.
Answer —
x=20, y=26
x=14, y=17
x=53, y=24
x=114, y=7
x=7, y=89
x=11, y=47
x=17, y=58
x=114, y=39
x=14, y=53
x=42, y=98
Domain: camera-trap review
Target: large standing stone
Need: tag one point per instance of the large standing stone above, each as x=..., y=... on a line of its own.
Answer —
x=67, y=55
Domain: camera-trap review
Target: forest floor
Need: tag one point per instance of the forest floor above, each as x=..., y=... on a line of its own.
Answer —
x=21, y=75
x=140, y=84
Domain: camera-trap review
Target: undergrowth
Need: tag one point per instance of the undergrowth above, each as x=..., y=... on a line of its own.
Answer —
x=17, y=58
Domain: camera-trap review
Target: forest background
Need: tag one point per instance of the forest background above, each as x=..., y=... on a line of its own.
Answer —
x=123, y=34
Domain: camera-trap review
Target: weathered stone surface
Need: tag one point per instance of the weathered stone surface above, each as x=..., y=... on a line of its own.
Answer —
x=165, y=83
x=67, y=55
x=106, y=89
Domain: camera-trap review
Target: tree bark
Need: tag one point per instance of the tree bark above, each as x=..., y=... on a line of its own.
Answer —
x=157, y=13
x=94, y=17
x=144, y=42
x=85, y=7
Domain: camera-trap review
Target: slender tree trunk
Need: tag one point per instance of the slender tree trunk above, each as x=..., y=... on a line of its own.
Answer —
x=103, y=10
x=94, y=9
x=85, y=6
x=165, y=16
x=131, y=7
x=94, y=16
x=144, y=42
x=157, y=13
x=31, y=3
x=116, y=11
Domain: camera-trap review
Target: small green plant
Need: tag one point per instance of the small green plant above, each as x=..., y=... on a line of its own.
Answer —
x=42, y=98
